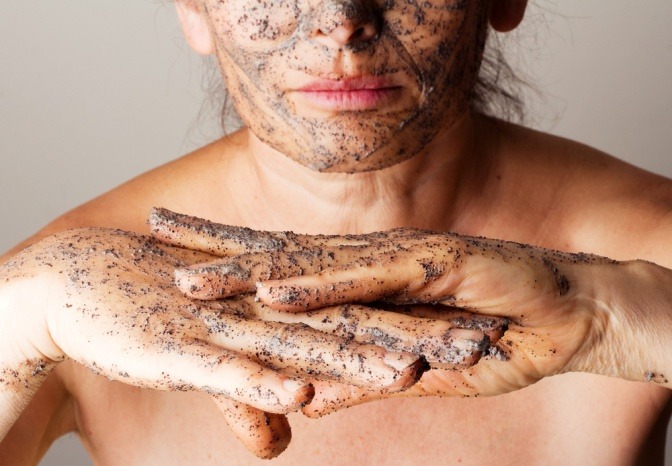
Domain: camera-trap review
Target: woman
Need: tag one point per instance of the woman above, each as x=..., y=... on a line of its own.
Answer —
x=358, y=115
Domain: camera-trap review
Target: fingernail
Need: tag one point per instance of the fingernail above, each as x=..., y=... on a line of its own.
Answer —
x=259, y=292
x=399, y=361
x=460, y=334
x=181, y=277
x=293, y=385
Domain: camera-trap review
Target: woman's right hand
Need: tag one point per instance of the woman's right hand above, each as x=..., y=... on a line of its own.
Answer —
x=106, y=299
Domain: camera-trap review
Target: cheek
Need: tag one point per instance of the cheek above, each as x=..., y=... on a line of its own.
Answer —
x=253, y=24
x=261, y=48
x=424, y=28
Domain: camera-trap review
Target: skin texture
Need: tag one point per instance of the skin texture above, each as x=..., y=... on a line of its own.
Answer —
x=457, y=340
x=267, y=55
x=115, y=310
x=476, y=177
x=264, y=434
x=557, y=319
x=105, y=430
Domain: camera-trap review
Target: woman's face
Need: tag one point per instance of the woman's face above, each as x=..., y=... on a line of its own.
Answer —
x=348, y=86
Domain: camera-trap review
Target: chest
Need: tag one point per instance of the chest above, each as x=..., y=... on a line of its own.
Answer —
x=557, y=420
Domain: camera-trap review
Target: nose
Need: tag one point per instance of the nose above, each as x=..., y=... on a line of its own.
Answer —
x=346, y=21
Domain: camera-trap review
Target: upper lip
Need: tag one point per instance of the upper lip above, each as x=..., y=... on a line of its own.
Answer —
x=347, y=84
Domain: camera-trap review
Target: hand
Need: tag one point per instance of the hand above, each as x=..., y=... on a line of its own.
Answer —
x=548, y=325
x=106, y=299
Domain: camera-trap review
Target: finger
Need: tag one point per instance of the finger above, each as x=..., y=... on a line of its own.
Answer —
x=299, y=349
x=493, y=326
x=488, y=276
x=239, y=274
x=226, y=240
x=390, y=273
x=331, y=396
x=443, y=342
x=266, y=435
x=214, y=238
x=518, y=362
x=478, y=380
x=361, y=281
x=193, y=364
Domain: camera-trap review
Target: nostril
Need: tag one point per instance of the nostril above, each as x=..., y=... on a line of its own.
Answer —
x=363, y=33
x=358, y=34
x=345, y=22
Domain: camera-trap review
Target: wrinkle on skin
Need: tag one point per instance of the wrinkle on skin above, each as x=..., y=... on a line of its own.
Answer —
x=451, y=339
x=432, y=49
x=548, y=323
x=118, y=313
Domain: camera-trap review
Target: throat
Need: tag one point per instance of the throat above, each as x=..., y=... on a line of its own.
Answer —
x=430, y=191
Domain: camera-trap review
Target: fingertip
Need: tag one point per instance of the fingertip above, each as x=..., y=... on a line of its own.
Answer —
x=155, y=219
x=302, y=392
x=155, y=215
x=282, y=295
x=188, y=283
x=182, y=278
x=280, y=436
x=164, y=225
x=266, y=435
x=409, y=374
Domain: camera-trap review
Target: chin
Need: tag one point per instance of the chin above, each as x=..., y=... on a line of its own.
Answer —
x=340, y=149
x=338, y=160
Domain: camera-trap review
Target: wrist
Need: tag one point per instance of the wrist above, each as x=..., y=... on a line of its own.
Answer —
x=630, y=330
x=599, y=354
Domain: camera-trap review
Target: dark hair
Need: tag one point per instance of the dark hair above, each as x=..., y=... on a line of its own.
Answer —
x=217, y=101
x=498, y=91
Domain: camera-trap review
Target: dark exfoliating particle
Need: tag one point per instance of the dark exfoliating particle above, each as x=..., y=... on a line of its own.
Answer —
x=433, y=46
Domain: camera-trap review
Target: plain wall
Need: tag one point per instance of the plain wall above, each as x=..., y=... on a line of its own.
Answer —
x=93, y=93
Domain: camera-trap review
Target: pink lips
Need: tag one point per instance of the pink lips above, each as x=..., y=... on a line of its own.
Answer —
x=352, y=94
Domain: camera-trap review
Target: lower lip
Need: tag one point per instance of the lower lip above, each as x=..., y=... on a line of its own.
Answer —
x=357, y=99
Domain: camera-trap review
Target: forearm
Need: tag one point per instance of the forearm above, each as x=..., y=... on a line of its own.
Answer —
x=18, y=384
x=27, y=352
x=632, y=333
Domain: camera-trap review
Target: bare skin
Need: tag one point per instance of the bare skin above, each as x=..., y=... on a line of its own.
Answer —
x=262, y=52
x=109, y=303
x=561, y=398
x=508, y=183
x=563, y=315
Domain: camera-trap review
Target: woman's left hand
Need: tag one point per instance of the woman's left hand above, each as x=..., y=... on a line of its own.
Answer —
x=559, y=319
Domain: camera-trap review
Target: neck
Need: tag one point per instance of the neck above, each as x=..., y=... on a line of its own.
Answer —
x=431, y=190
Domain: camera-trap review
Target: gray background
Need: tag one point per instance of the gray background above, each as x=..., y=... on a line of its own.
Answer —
x=93, y=93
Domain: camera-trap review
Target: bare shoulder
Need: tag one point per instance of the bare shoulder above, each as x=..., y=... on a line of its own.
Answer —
x=595, y=201
x=183, y=185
